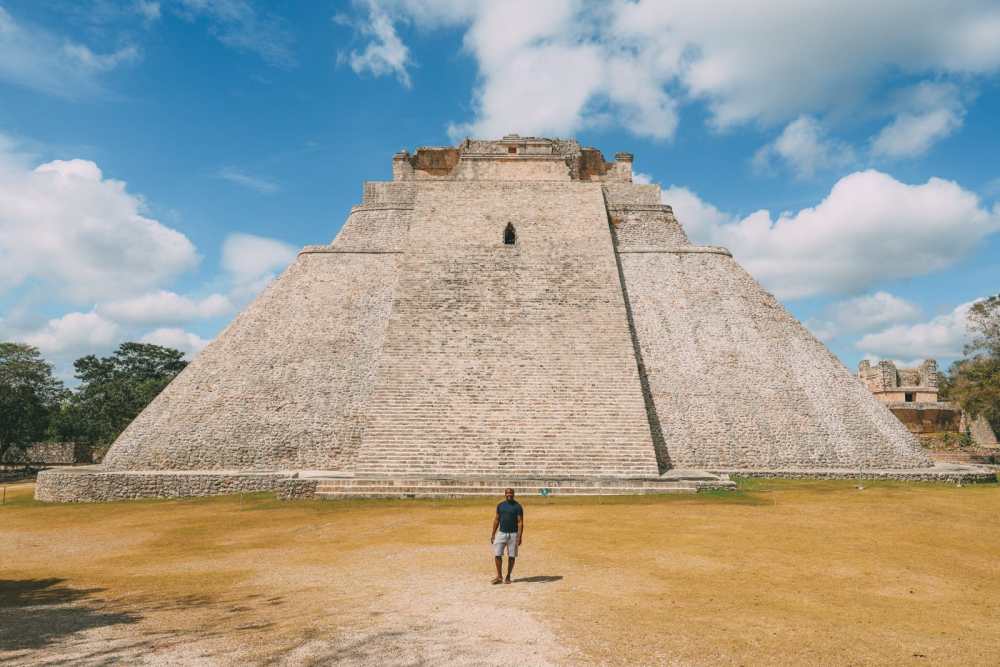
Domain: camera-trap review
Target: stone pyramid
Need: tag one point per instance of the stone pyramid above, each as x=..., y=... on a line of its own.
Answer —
x=515, y=309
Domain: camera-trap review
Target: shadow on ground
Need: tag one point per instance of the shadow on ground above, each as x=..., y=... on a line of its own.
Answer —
x=539, y=579
x=45, y=618
x=37, y=612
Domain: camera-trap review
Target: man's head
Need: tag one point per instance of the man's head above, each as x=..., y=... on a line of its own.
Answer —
x=508, y=494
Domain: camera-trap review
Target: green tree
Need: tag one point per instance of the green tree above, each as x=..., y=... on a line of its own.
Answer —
x=29, y=396
x=113, y=390
x=974, y=382
x=984, y=325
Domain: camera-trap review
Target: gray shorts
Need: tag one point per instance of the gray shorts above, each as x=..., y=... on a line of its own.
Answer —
x=502, y=540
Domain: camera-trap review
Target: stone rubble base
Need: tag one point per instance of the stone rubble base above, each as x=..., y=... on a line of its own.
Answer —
x=91, y=484
x=95, y=484
x=942, y=472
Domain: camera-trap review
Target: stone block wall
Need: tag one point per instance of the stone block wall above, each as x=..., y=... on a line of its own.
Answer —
x=508, y=358
x=739, y=383
x=285, y=385
x=639, y=226
x=891, y=384
x=90, y=485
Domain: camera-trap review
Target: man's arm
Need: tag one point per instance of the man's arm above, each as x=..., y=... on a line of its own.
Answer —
x=520, y=527
x=496, y=524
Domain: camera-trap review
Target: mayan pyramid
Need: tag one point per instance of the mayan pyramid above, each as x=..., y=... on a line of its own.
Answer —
x=515, y=309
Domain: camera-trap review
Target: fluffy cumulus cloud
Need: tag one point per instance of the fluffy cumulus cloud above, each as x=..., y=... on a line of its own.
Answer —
x=385, y=53
x=941, y=337
x=925, y=114
x=36, y=58
x=870, y=228
x=179, y=339
x=65, y=225
x=251, y=262
x=74, y=333
x=805, y=147
x=872, y=310
x=862, y=313
x=165, y=307
x=631, y=62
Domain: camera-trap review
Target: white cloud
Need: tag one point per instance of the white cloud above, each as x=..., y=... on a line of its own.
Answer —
x=805, y=147
x=385, y=53
x=164, y=307
x=238, y=25
x=872, y=310
x=862, y=313
x=559, y=66
x=234, y=175
x=701, y=220
x=73, y=333
x=100, y=62
x=776, y=60
x=36, y=58
x=185, y=341
x=870, y=228
x=148, y=10
x=249, y=258
x=65, y=225
x=927, y=113
x=941, y=337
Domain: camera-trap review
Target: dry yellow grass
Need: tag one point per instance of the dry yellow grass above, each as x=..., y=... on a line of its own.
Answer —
x=782, y=572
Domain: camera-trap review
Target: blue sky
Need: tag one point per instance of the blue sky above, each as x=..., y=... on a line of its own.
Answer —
x=161, y=161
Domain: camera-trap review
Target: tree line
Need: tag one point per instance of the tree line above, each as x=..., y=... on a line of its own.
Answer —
x=36, y=406
x=974, y=382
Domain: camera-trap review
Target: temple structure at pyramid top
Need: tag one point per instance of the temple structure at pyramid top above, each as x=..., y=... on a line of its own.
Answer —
x=512, y=158
x=510, y=312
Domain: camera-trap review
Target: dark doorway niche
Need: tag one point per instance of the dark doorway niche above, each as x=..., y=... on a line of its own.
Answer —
x=509, y=235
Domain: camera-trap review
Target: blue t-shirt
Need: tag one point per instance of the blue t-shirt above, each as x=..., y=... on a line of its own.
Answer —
x=508, y=511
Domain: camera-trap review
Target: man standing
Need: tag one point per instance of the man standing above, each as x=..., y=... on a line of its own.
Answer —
x=510, y=520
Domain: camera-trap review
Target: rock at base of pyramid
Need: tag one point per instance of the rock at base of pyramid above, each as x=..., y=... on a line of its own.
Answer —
x=512, y=309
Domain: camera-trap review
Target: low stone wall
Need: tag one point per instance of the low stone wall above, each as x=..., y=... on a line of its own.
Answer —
x=95, y=484
x=297, y=489
x=952, y=475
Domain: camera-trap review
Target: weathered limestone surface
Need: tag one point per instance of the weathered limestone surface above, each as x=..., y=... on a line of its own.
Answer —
x=508, y=358
x=737, y=382
x=285, y=385
x=601, y=345
x=96, y=484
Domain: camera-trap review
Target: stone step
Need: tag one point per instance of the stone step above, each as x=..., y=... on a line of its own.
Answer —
x=499, y=489
x=427, y=491
x=502, y=483
x=493, y=485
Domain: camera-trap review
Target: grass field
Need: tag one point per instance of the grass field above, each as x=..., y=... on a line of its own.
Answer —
x=780, y=572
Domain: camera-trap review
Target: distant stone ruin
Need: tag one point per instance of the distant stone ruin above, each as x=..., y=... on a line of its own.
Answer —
x=912, y=395
x=512, y=312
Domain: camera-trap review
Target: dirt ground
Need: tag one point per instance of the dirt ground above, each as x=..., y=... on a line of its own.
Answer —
x=780, y=572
